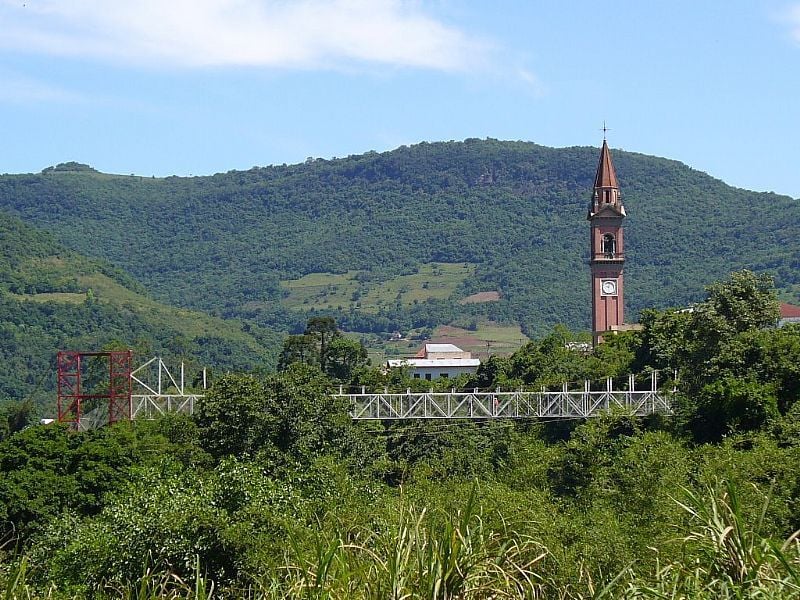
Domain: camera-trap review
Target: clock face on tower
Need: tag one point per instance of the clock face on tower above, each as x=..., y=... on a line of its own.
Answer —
x=608, y=287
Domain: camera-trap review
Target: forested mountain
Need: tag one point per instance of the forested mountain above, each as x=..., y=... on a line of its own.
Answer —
x=513, y=210
x=271, y=490
x=54, y=299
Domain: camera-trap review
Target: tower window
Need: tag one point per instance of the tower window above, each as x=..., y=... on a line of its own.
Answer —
x=609, y=245
x=608, y=196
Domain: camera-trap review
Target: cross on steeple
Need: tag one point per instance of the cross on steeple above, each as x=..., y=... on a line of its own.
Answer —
x=604, y=130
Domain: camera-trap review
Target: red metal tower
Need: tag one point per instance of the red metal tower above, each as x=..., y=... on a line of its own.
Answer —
x=116, y=389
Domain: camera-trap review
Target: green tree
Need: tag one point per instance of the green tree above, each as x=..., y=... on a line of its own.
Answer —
x=15, y=416
x=585, y=465
x=745, y=301
x=493, y=372
x=234, y=418
x=46, y=470
x=323, y=345
x=298, y=348
x=732, y=405
x=664, y=343
x=694, y=340
x=346, y=358
x=164, y=519
x=308, y=420
x=561, y=357
x=323, y=329
x=291, y=413
x=735, y=369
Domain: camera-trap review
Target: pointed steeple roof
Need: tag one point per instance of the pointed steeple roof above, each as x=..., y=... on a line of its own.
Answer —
x=606, y=176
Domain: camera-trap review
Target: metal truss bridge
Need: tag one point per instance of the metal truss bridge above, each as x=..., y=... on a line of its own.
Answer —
x=152, y=390
x=497, y=404
x=157, y=391
x=101, y=388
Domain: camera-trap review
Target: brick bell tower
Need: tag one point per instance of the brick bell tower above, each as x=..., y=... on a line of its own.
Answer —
x=607, y=249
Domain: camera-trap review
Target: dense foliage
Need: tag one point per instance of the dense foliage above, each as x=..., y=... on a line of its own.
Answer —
x=49, y=301
x=271, y=491
x=515, y=210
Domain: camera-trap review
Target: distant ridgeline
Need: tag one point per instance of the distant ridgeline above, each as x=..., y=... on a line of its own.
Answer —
x=507, y=219
x=70, y=167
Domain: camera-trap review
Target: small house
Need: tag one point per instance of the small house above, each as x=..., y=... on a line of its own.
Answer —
x=437, y=361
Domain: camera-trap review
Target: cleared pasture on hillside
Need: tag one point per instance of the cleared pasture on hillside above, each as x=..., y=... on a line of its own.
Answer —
x=437, y=281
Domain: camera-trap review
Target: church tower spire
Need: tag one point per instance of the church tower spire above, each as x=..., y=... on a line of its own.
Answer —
x=606, y=248
x=606, y=176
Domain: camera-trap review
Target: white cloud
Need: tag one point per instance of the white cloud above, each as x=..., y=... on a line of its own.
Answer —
x=16, y=89
x=531, y=81
x=793, y=19
x=268, y=33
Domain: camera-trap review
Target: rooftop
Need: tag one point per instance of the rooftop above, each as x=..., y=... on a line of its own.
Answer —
x=606, y=177
x=789, y=311
x=442, y=348
x=434, y=362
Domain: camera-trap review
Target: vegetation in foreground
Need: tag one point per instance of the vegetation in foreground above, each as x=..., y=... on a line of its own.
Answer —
x=271, y=491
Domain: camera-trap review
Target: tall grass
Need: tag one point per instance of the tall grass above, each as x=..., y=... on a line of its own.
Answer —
x=437, y=556
x=13, y=581
x=153, y=585
x=448, y=555
x=724, y=556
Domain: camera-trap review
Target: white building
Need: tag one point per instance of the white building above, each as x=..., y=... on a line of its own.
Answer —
x=435, y=361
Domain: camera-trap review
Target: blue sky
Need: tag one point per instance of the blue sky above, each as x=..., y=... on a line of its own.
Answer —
x=162, y=87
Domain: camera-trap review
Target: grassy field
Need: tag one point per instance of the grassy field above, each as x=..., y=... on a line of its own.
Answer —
x=334, y=291
x=321, y=290
x=190, y=323
x=65, y=297
x=432, y=281
x=488, y=338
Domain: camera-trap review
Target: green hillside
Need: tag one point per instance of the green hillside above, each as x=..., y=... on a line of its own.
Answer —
x=53, y=299
x=244, y=244
x=337, y=291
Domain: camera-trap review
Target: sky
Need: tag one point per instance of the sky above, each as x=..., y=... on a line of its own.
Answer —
x=196, y=87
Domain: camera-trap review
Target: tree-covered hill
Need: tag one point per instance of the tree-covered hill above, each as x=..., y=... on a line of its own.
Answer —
x=515, y=210
x=54, y=299
x=271, y=490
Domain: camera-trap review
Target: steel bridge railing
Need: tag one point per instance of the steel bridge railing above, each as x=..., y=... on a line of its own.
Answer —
x=158, y=392
x=502, y=405
x=507, y=405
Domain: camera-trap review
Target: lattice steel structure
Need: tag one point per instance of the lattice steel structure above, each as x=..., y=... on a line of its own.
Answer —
x=508, y=405
x=157, y=391
x=112, y=395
